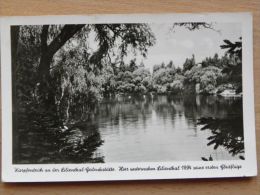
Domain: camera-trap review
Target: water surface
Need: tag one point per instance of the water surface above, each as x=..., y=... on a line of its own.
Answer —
x=162, y=128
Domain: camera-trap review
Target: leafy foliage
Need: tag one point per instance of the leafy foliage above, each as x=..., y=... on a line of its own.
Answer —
x=189, y=63
x=234, y=67
x=227, y=132
x=194, y=25
x=233, y=48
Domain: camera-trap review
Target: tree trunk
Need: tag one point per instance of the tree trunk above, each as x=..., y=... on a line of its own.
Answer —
x=44, y=69
x=47, y=53
x=44, y=76
x=14, y=44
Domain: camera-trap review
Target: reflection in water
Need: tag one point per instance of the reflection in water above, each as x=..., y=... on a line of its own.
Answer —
x=137, y=129
x=163, y=128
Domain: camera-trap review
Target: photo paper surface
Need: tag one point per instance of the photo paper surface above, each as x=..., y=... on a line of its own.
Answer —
x=127, y=97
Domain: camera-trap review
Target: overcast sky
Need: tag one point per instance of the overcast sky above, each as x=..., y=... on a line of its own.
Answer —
x=182, y=43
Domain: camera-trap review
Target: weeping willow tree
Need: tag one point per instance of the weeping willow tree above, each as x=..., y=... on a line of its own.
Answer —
x=60, y=64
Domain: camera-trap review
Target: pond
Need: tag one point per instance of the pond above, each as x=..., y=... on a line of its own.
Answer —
x=162, y=128
x=135, y=129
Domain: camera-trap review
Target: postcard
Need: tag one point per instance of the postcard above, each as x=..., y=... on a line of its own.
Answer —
x=127, y=97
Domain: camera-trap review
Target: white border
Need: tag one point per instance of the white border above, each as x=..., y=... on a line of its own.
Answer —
x=249, y=166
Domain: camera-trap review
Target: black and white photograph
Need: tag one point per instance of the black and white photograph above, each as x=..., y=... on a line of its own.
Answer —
x=127, y=92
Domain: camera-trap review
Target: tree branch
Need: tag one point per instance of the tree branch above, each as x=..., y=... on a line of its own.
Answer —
x=67, y=32
x=195, y=26
x=44, y=37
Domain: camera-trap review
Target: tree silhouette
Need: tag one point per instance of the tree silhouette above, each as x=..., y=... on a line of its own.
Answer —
x=227, y=132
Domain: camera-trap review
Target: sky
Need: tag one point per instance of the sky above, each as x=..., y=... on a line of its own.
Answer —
x=181, y=43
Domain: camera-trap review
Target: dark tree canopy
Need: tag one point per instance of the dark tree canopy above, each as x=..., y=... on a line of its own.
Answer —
x=51, y=38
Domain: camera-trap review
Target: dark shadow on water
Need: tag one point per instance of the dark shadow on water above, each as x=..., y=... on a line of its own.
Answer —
x=226, y=131
x=41, y=139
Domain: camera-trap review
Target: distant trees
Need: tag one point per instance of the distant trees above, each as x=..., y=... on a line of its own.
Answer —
x=207, y=77
x=142, y=80
x=177, y=86
x=163, y=76
x=215, y=74
x=130, y=78
x=189, y=63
